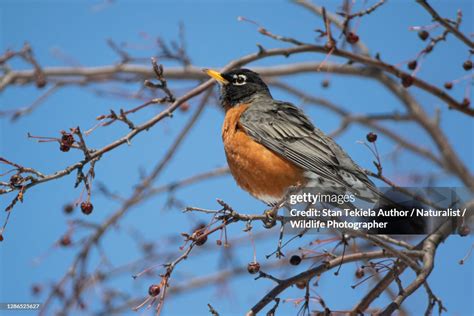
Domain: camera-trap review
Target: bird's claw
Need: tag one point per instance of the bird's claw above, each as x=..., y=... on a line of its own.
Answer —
x=270, y=219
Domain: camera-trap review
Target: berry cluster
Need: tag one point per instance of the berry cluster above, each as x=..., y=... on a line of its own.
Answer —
x=67, y=140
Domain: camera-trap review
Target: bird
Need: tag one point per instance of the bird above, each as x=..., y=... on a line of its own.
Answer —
x=272, y=146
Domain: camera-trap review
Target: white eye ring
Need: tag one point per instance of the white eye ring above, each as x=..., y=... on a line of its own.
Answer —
x=239, y=80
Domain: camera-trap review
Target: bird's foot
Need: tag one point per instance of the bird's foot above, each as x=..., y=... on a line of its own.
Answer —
x=270, y=218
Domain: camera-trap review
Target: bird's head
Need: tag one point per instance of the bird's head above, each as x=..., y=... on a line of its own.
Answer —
x=239, y=86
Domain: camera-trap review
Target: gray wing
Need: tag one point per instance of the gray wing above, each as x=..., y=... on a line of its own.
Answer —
x=285, y=129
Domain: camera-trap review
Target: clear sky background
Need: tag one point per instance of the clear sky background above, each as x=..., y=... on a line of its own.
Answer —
x=214, y=37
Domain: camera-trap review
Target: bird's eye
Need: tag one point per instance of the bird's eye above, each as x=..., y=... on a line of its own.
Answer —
x=240, y=80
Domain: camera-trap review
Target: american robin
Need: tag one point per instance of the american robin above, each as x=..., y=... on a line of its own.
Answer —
x=271, y=146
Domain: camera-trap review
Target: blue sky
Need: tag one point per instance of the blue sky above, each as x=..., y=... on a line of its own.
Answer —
x=214, y=37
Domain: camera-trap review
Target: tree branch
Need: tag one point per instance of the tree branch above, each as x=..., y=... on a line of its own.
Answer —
x=445, y=23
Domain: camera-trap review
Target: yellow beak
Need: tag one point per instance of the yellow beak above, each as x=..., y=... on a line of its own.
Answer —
x=217, y=76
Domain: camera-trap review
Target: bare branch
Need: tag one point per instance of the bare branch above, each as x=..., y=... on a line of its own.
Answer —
x=446, y=23
x=22, y=76
x=320, y=269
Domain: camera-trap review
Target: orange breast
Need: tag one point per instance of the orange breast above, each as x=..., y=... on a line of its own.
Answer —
x=256, y=169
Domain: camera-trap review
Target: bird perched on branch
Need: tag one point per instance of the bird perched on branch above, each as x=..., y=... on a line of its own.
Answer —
x=271, y=146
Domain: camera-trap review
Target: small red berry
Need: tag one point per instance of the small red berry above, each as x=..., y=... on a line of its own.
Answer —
x=199, y=239
x=467, y=65
x=16, y=180
x=412, y=65
x=68, y=208
x=64, y=147
x=184, y=107
x=464, y=230
x=407, y=80
x=448, y=85
x=67, y=139
x=301, y=285
x=371, y=137
x=219, y=242
x=466, y=102
x=36, y=289
x=352, y=38
x=295, y=260
x=429, y=48
x=154, y=290
x=87, y=207
x=65, y=241
x=40, y=80
x=1, y=237
x=359, y=273
x=253, y=267
x=423, y=35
